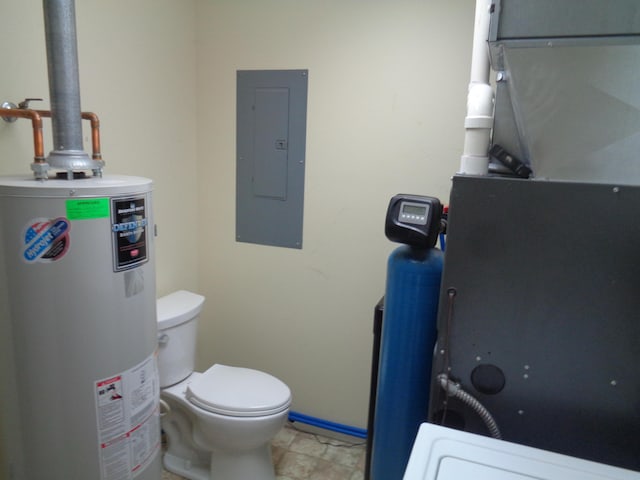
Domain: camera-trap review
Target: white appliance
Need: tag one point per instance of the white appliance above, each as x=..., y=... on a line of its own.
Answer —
x=441, y=453
x=78, y=329
x=219, y=423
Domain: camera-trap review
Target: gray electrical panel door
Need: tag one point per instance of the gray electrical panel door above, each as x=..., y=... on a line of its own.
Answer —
x=270, y=148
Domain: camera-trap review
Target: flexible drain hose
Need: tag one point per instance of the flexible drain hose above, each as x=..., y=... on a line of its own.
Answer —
x=455, y=390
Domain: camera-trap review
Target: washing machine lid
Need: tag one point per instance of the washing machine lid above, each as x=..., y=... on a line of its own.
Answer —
x=239, y=392
x=177, y=308
x=441, y=453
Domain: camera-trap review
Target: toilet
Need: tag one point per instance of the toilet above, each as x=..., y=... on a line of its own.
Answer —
x=219, y=423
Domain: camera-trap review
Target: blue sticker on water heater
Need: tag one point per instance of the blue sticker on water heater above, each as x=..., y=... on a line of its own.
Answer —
x=129, y=231
x=46, y=240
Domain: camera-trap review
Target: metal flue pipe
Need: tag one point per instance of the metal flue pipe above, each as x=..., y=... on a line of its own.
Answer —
x=64, y=89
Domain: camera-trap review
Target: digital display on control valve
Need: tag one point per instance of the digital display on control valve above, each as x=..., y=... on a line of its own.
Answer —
x=413, y=220
x=414, y=209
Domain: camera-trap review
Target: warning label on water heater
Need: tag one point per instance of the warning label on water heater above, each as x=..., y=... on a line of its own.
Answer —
x=128, y=415
x=129, y=229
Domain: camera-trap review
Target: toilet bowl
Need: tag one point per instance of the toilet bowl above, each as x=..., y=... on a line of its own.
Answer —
x=218, y=423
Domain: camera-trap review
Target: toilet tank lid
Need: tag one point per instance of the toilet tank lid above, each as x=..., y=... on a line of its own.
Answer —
x=178, y=307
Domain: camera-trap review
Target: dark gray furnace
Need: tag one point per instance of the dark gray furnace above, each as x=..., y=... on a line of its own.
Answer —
x=539, y=315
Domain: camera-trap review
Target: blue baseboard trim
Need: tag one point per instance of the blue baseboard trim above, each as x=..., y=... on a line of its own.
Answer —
x=327, y=425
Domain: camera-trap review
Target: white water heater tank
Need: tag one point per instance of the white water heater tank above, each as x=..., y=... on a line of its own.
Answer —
x=80, y=395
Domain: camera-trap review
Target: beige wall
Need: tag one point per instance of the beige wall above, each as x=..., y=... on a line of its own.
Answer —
x=386, y=105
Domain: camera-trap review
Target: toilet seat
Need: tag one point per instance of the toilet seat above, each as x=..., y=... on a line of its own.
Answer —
x=238, y=392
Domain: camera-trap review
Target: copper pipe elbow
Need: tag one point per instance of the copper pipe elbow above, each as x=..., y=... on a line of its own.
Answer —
x=36, y=122
x=95, y=131
x=95, y=134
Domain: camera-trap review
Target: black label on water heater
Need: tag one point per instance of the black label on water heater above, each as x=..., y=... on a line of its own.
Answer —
x=129, y=230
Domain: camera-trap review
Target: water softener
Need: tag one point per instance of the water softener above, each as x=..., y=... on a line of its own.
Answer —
x=408, y=332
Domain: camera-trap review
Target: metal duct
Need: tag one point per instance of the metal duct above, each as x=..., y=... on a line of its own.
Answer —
x=568, y=102
x=64, y=89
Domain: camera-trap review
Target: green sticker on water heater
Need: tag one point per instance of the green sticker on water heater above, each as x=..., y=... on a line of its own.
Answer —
x=87, y=208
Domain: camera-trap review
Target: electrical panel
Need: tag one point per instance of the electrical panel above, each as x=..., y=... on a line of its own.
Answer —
x=270, y=162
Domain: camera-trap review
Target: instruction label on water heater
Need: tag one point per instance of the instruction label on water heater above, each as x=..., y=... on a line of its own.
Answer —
x=128, y=416
x=129, y=229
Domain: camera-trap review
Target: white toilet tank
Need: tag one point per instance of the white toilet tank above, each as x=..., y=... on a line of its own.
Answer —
x=177, y=324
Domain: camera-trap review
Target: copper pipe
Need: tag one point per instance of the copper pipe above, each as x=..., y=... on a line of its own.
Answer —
x=36, y=122
x=95, y=130
x=95, y=134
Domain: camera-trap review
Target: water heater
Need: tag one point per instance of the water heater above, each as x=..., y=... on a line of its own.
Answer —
x=77, y=294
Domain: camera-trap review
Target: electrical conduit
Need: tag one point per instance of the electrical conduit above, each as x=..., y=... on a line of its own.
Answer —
x=456, y=391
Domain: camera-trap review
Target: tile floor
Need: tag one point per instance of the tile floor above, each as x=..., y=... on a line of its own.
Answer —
x=299, y=455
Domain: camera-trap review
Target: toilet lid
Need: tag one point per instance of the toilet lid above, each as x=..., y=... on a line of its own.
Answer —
x=238, y=392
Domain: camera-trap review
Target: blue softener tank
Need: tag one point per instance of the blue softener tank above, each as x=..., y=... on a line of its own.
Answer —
x=408, y=336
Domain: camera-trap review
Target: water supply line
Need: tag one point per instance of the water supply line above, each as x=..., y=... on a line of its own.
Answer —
x=456, y=391
x=9, y=113
x=480, y=98
x=165, y=408
x=96, y=153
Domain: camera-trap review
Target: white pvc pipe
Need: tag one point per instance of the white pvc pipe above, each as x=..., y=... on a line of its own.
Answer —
x=479, y=120
x=479, y=54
